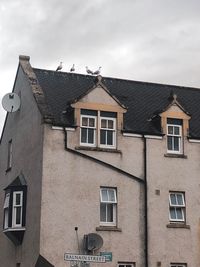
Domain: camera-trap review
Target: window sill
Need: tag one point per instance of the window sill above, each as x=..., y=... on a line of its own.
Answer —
x=108, y=228
x=178, y=225
x=171, y=155
x=112, y=150
x=9, y=229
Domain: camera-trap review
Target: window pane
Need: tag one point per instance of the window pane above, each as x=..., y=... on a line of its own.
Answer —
x=6, y=213
x=103, y=123
x=84, y=121
x=169, y=142
x=109, y=138
x=91, y=122
x=173, y=199
x=103, y=212
x=83, y=135
x=172, y=213
x=103, y=137
x=179, y=199
x=109, y=212
x=179, y=213
x=90, y=136
x=176, y=130
x=18, y=215
x=18, y=199
x=176, y=143
x=7, y=200
x=111, y=195
x=170, y=129
x=110, y=124
x=104, y=194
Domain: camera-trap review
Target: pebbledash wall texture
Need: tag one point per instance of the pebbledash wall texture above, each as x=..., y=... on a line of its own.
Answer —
x=93, y=166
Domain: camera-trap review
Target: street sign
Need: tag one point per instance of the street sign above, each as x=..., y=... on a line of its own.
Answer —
x=87, y=258
x=107, y=255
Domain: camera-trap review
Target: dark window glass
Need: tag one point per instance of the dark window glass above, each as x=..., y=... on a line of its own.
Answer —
x=88, y=112
x=18, y=199
x=109, y=138
x=108, y=114
x=83, y=135
x=103, y=212
x=109, y=212
x=174, y=121
x=18, y=215
x=169, y=142
x=176, y=143
x=103, y=137
x=90, y=136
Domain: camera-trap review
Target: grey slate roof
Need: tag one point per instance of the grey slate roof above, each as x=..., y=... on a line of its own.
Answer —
x=142, y=99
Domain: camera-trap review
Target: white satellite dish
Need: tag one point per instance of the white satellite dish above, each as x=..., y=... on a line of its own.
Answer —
x=11, y=102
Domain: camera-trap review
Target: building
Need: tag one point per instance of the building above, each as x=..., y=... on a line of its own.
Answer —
x=93, y=166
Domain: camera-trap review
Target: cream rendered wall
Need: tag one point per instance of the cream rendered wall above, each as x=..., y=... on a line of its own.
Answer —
x=173, y=174
x=70, y=198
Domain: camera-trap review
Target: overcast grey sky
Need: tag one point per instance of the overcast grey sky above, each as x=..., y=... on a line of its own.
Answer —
x=147, y=40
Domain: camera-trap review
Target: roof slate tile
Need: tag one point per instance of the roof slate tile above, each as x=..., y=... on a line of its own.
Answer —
x=142, y=99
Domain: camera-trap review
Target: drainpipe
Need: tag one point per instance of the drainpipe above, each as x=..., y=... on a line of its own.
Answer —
x=145, y=205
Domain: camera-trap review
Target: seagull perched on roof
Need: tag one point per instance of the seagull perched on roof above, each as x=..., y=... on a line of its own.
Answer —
x=72, y=68
x=59, y=67
x=97, y=72
x=89, y=71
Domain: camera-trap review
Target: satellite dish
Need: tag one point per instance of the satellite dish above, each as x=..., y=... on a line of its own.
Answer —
x=93, y=241
x=11, y=102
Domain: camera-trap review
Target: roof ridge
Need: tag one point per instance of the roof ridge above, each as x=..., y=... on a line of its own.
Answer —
x=124, y=80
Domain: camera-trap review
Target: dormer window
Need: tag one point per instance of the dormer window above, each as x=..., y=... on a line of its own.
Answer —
x=107, y=132
x=174, y=136
x=98, y=129
x=88, y=130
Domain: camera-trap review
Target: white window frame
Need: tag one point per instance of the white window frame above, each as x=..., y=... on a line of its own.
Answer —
x=179, y=136
x=114, y=206
x=175, y=206
x=97, y=130
x=89, y=127
x=107, y=129
x=14, y=208
x=6, y=210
